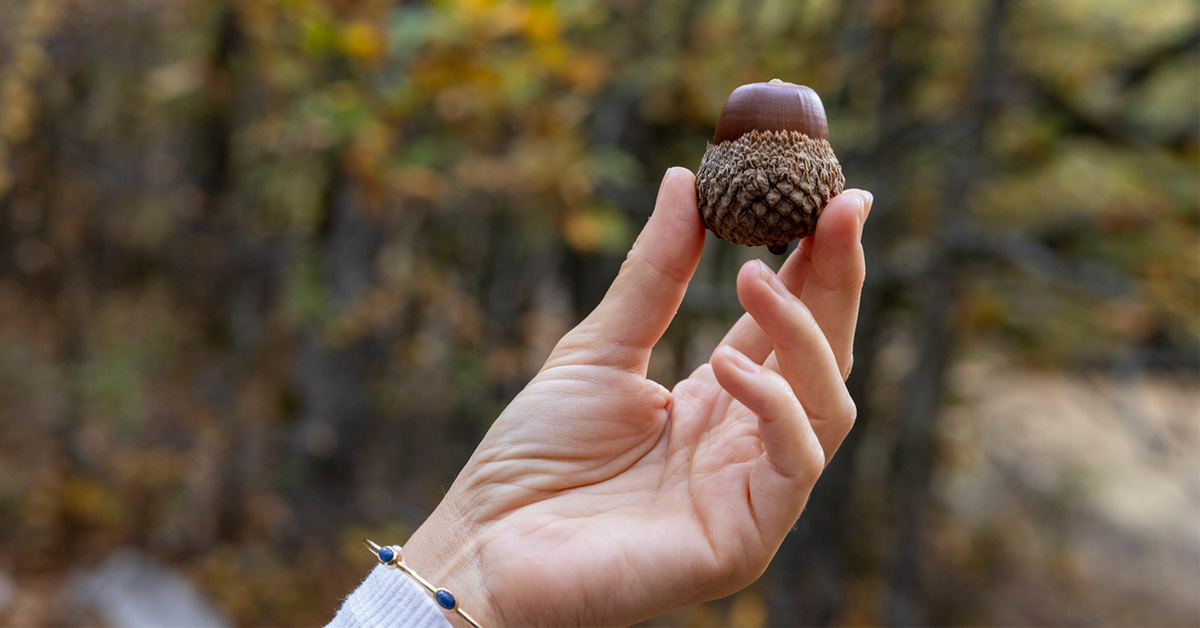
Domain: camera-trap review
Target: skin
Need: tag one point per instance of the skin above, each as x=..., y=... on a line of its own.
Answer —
x=600, y=497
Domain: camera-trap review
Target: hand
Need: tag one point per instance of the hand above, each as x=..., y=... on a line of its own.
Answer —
x=599, y=497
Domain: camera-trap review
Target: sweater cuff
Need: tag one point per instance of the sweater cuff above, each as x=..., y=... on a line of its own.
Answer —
x=389, y=598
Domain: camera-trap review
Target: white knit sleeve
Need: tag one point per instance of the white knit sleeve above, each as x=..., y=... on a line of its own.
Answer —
x=389, y=598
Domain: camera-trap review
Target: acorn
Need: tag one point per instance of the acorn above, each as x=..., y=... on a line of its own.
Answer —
x=770, y=170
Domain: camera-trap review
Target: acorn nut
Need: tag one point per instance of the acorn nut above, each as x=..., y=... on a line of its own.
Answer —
x=770, y=170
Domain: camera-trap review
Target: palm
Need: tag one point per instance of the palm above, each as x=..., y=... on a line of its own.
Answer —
x=657, y=490
x=600, y=497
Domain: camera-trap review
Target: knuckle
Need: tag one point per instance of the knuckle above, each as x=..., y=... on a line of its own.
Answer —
x=782, y=391
x=815, y=467
x=798, y=330
x=850, y=412
x=630, y=260
x=668, y=270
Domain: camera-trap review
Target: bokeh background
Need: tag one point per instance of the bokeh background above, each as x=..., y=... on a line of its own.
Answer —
x=270, y=268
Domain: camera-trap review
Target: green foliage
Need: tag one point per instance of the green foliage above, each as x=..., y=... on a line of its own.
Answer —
x=228, y=227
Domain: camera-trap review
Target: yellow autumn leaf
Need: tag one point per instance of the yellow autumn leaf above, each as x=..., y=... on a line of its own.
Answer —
x=596, y=230
x=362, y=40
x=541, y=23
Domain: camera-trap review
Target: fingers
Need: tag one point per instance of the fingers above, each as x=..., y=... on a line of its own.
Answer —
x=788, y=439
x=827, y=271
x=802, y=352
x=793, y=459
x=745, y=335
x=834, y=286
x=649, y=288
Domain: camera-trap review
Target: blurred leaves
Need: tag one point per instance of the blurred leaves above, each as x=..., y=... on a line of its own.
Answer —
x=269, y=269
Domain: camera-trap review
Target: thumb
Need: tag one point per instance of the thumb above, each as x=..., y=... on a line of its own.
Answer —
x=644, y=297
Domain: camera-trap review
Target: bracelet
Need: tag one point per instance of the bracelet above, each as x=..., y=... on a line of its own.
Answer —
x=390, y=556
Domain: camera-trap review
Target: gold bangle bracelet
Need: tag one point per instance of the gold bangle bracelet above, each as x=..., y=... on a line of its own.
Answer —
x=447, y=601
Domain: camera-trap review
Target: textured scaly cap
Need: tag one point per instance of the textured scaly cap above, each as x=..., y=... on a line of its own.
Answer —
x=771, y=170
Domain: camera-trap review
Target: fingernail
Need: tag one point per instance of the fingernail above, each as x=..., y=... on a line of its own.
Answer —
x=868, y=201
x=773, y=280
x=738, y=359
x=864, y=208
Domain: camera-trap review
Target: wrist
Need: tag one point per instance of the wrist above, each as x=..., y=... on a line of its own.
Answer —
x=445, y=552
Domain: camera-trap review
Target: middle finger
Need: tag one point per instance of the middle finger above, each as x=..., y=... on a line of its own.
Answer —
x=801, y=353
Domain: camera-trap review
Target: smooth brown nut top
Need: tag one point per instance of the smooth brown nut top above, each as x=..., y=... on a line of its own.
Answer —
x=771, y=170
x=773, y=106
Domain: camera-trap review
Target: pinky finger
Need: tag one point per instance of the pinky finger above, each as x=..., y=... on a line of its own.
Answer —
x=788, y=439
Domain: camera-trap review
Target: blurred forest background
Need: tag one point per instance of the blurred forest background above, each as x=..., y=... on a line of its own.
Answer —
x=270, y=268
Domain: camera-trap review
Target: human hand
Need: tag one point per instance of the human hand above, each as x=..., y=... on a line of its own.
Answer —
x=599, y=497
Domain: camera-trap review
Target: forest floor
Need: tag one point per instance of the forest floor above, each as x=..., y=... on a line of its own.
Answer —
x=1071, y=499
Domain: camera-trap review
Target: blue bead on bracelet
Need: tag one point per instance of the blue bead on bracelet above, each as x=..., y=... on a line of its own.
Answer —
x=391, y=557
x=445, y=599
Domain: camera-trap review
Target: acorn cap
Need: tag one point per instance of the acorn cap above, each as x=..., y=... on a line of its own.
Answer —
x=771, y=169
